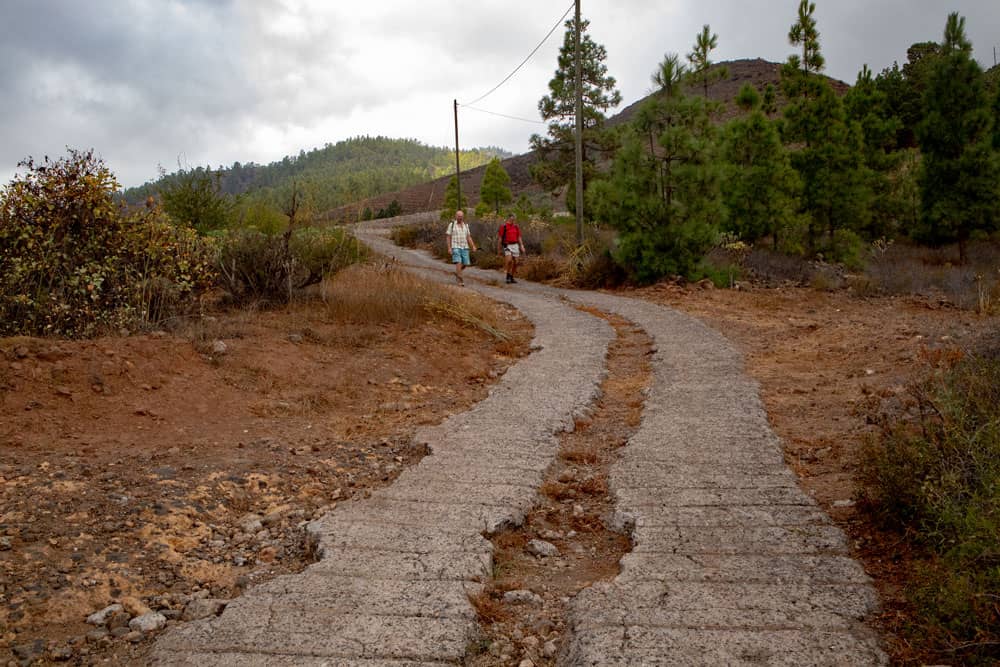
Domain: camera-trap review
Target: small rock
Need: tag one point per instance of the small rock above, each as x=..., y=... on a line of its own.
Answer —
x=550, y=535
x=101, y=617
x=542, y=548
x=550, y=649
x=63, y=390
x=198, y=609
x=134, y=636
x=267, y=555
x=526, y=663
x=97, y=635
x=275, y=515
x=146, y=623
x=843, y=503
x=61, y=653
x=120, y=632
x=21, y=351
x=578, y=510
x=171, y=614
x=6, y=543
x=219, y=347
x=522, y=597
x=28, y=653
x=295, y=338
x=251, y=523
x=531, y=642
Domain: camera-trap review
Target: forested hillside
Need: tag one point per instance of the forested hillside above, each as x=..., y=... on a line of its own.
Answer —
x=336, y=174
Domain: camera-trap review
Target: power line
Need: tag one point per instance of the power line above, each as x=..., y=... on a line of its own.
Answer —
x=533, y=51
x=502, y=115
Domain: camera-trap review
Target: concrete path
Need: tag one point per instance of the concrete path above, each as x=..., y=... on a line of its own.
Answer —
x=390, y=585
x=732, y=563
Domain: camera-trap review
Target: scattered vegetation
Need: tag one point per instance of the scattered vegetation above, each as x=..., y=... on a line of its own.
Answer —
x=370, y=294
x=74, y=262
x=257, y=267
x=933, y=474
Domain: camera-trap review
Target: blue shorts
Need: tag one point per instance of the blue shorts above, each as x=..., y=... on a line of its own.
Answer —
x=460, y=255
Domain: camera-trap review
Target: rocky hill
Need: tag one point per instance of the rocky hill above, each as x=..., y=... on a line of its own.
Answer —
x=430, y=196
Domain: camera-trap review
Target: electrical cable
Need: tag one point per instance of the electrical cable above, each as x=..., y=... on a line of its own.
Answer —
x=503, y=115
x=533, y=51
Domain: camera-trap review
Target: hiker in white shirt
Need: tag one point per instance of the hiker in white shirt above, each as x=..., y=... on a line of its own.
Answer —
x=459, y=240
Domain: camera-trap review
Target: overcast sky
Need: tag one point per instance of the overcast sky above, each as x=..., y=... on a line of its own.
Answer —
x=210, y=82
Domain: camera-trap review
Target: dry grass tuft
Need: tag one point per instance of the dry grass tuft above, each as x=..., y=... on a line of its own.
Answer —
x=581, y=456
x=557, y=491
x=594, y=486
x=489, y=607
x=373, y=294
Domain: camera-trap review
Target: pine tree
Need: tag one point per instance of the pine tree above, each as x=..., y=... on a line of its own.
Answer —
x=959, y=176
x=663, y=191
x=868, y=106
x=829, y=159
x=760, y=188
x=701, y=64
x=451, y=205
x=556, y=162
x=494, y=191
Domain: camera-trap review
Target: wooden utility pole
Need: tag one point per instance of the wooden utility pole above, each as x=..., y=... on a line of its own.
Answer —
x=579, y=133
x=458, y=167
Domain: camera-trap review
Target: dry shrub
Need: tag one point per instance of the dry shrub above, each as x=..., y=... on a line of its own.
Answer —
x=540, y=269
x=489, y=606
x=773, y=267
x=557, y=491
x=581, y=456
x=372, y=294
x=902, y=268
x=594, y=486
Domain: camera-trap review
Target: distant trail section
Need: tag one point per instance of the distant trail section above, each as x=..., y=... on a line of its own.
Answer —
x=391, y=584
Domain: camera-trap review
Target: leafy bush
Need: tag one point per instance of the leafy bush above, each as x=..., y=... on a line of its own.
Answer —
x=271, y=268
x=935, y=474
x=74, y=263
x=193, y=197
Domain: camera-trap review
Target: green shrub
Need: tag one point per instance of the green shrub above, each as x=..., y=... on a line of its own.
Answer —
x=935, y=475
x=271, y=268
x=74, y=263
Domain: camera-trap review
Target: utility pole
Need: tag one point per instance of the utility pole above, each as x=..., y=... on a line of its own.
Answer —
x=458, y=167
x=579, y=133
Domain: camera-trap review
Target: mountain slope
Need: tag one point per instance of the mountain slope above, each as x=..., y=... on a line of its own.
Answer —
x=430, y=195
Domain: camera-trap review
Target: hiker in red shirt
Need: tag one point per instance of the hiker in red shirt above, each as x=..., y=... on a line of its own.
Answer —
x=511, y=246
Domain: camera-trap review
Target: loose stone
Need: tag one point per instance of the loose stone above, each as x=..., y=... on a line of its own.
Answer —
x=146, y=623
x=101, y=617
x=542, y=549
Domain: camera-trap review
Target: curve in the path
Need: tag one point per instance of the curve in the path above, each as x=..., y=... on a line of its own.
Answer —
x=389, y=588
x=732, y=563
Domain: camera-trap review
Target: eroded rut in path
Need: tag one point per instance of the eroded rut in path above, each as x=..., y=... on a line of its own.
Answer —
x=522, y=610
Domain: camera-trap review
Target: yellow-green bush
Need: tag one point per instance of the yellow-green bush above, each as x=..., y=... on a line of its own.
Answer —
x=73, y=262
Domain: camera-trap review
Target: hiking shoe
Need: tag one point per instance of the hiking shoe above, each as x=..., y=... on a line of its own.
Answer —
x=512, y=281
x=458, y=279
x=507, y=279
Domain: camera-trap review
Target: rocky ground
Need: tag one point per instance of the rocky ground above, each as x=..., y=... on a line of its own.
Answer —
x=166, y=472
x=151, y=478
